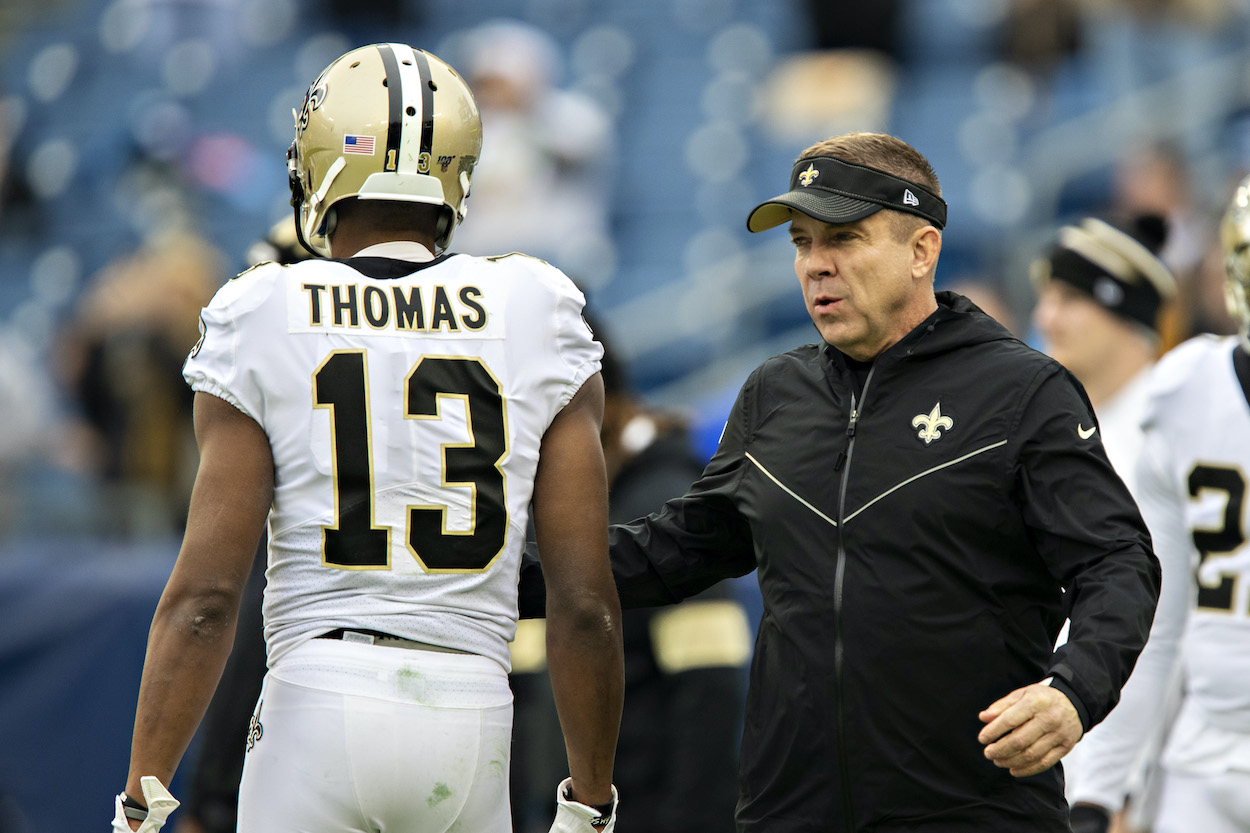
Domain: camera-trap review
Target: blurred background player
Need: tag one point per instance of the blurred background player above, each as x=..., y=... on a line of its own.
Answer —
x=684, y=665
x=1103, y=291
x=119, y=362
x=372, y=409
x=1100, y=293
x=545, y=187
x=1191, y=485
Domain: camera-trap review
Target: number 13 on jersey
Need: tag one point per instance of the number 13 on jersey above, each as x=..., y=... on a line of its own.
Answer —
x=354, y=541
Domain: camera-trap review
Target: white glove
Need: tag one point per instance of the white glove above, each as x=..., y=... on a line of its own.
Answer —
x=160, y=805
x=575, y=817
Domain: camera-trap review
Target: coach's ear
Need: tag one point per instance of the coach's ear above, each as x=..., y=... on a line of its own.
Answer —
x=926, y=245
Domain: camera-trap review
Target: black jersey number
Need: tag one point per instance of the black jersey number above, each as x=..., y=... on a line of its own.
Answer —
x=1229, y=536
x=355, y=541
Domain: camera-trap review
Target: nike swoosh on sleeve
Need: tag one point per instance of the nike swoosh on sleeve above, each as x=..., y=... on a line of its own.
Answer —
x=1085, y=433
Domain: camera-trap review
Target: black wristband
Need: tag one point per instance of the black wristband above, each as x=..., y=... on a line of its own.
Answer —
x=605, y=813
x=604, y=810
x=133, y=809
x=1089, y=818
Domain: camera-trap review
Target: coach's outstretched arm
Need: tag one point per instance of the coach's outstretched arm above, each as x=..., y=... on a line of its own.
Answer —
x=584, y=651
x=193, y=630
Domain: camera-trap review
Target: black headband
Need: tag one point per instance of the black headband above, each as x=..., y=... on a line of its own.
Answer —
x=1138, y=302
x=836, y=191
x=1118, y=269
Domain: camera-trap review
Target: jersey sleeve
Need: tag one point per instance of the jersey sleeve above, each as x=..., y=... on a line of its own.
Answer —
x=575, y=341
x=1088, y=530
x=547, y=333
x=216, y=364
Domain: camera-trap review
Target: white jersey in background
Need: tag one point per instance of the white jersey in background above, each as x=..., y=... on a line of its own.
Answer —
x=405, y=432
x=1191, y=487
x=1119, y=424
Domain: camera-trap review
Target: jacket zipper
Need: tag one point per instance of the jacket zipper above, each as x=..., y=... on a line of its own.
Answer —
x=843, y=463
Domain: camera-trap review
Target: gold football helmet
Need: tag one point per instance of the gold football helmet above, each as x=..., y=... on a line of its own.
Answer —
x=1235, y=236
x=383, y=122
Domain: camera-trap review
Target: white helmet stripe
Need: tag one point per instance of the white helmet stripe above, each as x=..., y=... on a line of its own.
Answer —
x=408, y=75
x=395, y=107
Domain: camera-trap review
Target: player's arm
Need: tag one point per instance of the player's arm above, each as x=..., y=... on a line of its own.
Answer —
x=192, y=632
x=584, y=650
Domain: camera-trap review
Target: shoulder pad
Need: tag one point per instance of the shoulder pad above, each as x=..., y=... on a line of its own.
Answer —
x=254, y=283
x=1178, y=367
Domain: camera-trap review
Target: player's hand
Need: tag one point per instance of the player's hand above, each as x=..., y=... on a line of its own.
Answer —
x=575, y=817
x=1090, y=818
x=160, y=805
x=1030, y=729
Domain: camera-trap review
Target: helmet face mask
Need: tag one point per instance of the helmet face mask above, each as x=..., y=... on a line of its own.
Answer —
x=384, y=122
x=1235, y=238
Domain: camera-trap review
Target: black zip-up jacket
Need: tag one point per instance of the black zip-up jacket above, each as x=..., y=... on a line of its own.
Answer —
x=913, y=541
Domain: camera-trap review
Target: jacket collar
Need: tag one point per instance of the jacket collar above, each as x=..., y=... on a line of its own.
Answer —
x=957, y=322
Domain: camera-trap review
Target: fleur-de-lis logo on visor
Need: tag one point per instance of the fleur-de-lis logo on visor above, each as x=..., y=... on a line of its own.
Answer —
x=807, y=176
x=931, y=424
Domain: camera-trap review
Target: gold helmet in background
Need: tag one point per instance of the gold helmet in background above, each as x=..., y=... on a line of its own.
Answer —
x=280, y=245
x=1235, y=236
x=383, y=122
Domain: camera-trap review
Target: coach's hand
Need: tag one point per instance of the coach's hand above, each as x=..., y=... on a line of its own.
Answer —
x=575, y=817
x=159, y=805
x=1030, y=729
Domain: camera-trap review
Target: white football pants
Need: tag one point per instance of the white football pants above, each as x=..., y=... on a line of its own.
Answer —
x=354, y=737
x=1207, y=803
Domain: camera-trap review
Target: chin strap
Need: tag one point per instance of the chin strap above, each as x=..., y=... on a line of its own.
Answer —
x=297, y=195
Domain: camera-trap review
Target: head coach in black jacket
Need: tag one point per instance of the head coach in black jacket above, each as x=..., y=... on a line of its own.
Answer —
x=924, y=499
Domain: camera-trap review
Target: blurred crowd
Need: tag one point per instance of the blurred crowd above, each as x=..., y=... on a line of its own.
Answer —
x=100, y=303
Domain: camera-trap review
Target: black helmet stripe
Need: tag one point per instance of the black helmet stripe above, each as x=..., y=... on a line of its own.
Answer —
x=395, y=93
x=427, y=106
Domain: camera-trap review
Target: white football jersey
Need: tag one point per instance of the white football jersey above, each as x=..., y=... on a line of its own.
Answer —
x=1190, y=484
x=405, y=402
x=1193, y=477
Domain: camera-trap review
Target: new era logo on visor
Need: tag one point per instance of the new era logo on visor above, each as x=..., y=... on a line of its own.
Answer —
x=909, y=198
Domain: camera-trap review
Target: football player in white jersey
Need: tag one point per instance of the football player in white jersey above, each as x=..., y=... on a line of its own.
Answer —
x=1191, y=485
x=392, y=411
x=1102, y=295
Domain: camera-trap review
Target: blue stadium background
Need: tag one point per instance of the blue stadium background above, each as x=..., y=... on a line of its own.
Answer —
x=693, y=301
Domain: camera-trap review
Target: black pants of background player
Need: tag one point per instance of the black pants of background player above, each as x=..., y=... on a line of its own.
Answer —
x=677, y=756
